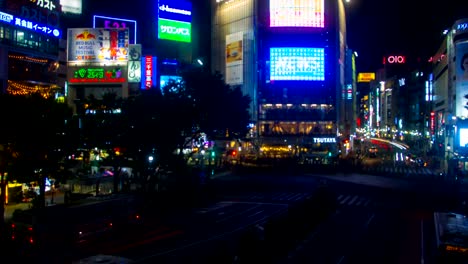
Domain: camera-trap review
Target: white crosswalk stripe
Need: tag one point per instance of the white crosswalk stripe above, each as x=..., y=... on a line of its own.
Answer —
x=353, y=200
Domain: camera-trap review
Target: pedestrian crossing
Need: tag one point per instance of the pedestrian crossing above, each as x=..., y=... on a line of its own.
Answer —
x=401, y=171
x=355, y=200
x=293, y=197
x=284, y=197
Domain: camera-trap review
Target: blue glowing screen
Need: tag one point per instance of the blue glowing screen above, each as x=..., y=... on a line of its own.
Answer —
x=297, y=64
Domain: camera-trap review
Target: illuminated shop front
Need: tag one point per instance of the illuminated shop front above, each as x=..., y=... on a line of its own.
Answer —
x=30, y=48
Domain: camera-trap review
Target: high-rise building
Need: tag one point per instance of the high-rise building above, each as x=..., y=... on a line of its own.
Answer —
x=289, y=57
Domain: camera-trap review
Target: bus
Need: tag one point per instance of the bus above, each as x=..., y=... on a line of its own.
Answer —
x=451, y=233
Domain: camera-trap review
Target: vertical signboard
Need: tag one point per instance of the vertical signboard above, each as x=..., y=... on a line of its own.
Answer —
x=134, y=63
x=234, y=58
x=175, y=20
x=461, y=103
x=97, y=44
x=148, y=72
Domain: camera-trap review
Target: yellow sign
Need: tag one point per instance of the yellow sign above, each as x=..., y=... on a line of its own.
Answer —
x=366, y=76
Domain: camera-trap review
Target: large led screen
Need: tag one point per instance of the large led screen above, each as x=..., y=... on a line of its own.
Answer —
x=174, y=20
x=297, y=64
x=297, y=13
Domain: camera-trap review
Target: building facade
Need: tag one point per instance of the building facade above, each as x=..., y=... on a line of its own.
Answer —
x=291, y=64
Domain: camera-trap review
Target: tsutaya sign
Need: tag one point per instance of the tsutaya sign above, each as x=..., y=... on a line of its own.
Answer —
x=324, y=140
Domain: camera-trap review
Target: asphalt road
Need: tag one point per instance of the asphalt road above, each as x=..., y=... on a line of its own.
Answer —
x=268, y=218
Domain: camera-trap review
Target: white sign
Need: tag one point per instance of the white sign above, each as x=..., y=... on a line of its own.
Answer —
x=324, y=140
x=234, y=58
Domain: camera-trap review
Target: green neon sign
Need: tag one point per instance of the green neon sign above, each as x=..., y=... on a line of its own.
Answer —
x=174, y=30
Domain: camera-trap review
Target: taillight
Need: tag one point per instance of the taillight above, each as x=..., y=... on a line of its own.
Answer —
x=31, y=240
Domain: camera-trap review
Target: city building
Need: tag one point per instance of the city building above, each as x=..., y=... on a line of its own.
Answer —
x=291, y=63
x=449, y=118
x=29, y=42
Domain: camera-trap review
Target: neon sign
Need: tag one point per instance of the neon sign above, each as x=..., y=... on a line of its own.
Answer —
x=174, y=30
x=395, y=60
x=46, y=4
x=112, y=22
x=7, y=18
x=97, y=75
x=148, y=71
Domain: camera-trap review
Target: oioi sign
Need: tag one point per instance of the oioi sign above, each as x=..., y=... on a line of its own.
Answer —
x=174, y=30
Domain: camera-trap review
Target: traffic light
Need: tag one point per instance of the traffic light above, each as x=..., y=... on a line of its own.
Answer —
x=329, y=154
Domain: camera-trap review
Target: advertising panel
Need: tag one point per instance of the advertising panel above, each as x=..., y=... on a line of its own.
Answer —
x=174, y=20
x=297, y=64
x=297, y=13
x=461, y=103
x=366, y=76
x=72, y=6
x=174, y=30
x=97, y=44
x=112, y=22
x=234, y=58
x=134, y=63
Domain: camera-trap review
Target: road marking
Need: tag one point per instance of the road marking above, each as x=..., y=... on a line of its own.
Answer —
x=352, y=201
x=346, y=199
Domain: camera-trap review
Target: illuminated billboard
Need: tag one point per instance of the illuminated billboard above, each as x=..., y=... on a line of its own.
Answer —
x=234, y=58
x=166, y=79
x=461, y=63
x=72, y=6
x=112, y=22
x=174, y=30
x=29, y=25
x=98, y=75
x=463, y=137
x=174, y=20
x=43, y=12
x=297, y=64
x=297, y=13
x=97, y=44
x=366, y=76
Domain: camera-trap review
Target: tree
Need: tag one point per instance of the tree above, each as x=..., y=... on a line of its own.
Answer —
x=35, y=133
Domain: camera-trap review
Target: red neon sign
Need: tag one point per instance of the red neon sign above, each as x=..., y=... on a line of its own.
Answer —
x=394, y=60
x=148, y=71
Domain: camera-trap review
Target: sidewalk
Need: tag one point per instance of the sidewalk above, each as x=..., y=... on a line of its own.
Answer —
x=12, y=207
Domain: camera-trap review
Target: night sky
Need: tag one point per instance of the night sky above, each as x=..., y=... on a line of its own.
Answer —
x=413, y=28
x=376, y=28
